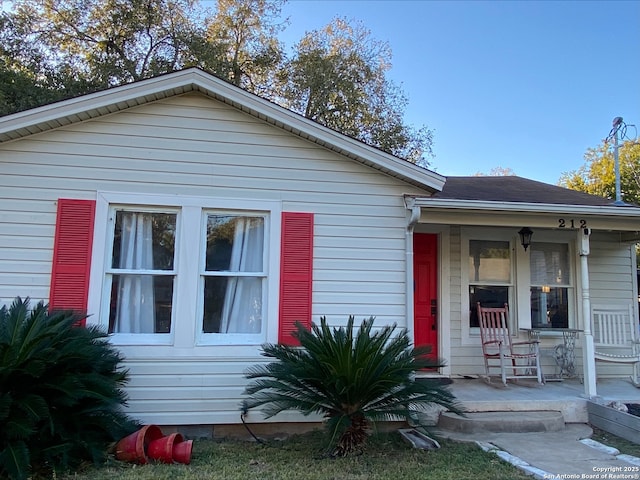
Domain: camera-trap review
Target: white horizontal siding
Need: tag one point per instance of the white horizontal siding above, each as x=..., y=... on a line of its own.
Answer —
x=320, y=275
x=79, y=178
x=611, y=275
x=386, y=255
x=465, y=360
x=196, y=147
x=456, y=302
x=188, y=390
x=24, y=254
x=611, y=271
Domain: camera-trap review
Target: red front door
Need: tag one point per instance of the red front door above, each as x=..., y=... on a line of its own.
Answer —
x=425, y=290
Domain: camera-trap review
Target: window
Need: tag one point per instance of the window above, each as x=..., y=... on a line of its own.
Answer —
x=233, y=274
x=538, y=284
x=550, y=285
x=189, y=272
x=194, y=272
x=490, y=276
x=142, y=272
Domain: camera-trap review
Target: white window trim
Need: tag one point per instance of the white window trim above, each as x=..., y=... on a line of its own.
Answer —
x=186, y=322
x=471, y=336
x=109, y=271
x=519, y=301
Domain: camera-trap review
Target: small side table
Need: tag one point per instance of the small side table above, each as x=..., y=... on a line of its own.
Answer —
x=563, y=353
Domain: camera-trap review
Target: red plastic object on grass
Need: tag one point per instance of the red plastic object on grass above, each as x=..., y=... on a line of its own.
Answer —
x=161, y=449
x=133, y=448
x=182, y=451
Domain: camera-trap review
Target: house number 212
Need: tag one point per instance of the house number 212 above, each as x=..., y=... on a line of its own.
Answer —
x=562, y=223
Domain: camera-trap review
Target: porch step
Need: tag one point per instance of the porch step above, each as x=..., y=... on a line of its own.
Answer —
x=512, y=422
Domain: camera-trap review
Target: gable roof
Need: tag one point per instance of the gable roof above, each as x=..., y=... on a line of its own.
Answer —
x=515, y=189
x=119, y=98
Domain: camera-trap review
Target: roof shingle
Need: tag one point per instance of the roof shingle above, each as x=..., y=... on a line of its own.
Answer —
x=515, y=189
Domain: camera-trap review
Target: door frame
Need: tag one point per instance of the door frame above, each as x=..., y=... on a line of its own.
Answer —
x=444, y=295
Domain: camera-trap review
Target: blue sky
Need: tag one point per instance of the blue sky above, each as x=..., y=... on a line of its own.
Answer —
x=526, y=85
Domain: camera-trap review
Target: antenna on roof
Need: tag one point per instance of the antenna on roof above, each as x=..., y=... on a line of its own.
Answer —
x=617, y=123
x=619, y=127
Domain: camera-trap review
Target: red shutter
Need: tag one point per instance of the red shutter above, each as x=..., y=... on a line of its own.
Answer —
x=72, y=255
x=296, y=269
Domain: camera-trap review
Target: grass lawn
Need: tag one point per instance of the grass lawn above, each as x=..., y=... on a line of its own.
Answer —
x=621, y=444
x=387, y=456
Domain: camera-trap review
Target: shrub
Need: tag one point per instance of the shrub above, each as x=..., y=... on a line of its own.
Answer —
x=61, y=392
x=351, y=380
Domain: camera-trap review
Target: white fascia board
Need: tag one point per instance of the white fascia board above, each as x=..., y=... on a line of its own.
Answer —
x=516, y=207
x=112, y=99
x=128, y=95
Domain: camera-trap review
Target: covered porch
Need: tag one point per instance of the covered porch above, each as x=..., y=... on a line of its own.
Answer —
x=581, y=255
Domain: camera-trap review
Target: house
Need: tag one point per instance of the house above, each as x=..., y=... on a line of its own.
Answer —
x=195, y=221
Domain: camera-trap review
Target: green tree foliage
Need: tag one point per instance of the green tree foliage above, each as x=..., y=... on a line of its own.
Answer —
x=352, y=380
x=338, y=77
x=61, y=392
x=597, y=175
x=111, y=42
x=27, y=78
x=246, y=34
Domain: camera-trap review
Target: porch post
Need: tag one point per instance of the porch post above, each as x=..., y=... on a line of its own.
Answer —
x=588, y=350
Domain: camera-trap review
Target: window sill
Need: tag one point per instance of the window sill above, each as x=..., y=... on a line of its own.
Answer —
x=163, y=339
x=212, y=339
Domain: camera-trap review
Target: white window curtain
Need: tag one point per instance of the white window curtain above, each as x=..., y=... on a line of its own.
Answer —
x=241, y=312
x=550, y=285
x=136, y=306
x=550, y=264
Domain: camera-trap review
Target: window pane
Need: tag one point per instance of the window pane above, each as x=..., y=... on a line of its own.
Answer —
x=232, y=305
x=234, y=244
x=550, y=264
x=141, y=304
x=144, y=241
x=488, y=297
x=489, y=261
x=549, y=307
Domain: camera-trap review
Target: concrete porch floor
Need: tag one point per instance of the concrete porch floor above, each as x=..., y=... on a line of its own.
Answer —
x=567, y=396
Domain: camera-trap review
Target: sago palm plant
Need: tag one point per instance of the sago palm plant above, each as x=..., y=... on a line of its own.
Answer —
x=61, y=392
x=352, y=380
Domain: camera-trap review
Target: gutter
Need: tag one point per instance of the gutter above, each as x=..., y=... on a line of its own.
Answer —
x=520, y=207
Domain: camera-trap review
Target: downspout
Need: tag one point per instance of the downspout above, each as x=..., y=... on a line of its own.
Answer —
x=414, y=211
x=588, y=349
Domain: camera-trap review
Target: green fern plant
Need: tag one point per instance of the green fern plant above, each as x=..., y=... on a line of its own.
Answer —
x=352, y=380
x=61, y=391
